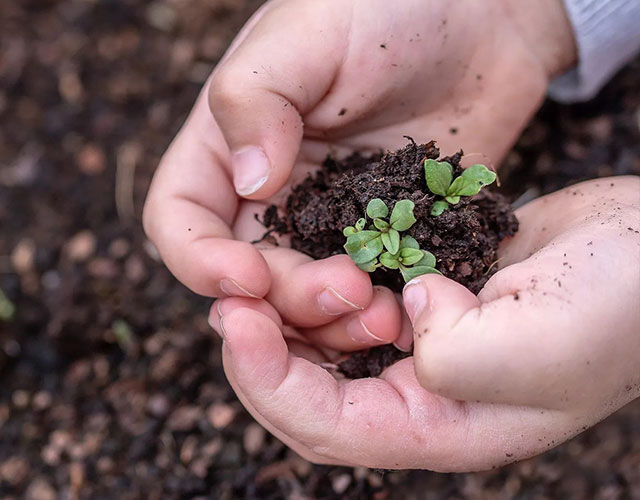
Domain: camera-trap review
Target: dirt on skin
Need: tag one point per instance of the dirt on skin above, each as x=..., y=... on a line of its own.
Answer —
x=463, y=239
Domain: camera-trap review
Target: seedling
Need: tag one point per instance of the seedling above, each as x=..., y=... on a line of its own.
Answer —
x=440, y=181
x=382, y=245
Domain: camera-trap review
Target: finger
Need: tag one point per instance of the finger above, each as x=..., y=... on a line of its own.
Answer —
x=378, y=324
x=404, y=342
x=310, y=293
x=297, y=343
x=389, y=423
x=189, y=209
x=296, y=446
x=262, y=90
x=225, y=306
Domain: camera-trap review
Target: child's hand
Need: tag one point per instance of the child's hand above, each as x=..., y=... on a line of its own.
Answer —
x=305, y=77
x=548, y=348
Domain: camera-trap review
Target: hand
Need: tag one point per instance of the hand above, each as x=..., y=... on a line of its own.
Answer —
x=307, y=77
x=548, y=348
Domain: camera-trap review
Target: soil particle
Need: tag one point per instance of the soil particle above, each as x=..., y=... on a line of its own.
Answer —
x=372, y=362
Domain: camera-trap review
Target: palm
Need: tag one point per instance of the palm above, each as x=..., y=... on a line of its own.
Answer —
x=438, y=80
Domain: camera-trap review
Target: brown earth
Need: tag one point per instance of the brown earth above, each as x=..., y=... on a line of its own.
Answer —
x=464, y=239
x=112, y=385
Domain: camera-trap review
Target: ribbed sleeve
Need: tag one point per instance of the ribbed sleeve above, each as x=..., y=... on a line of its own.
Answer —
x=608, y=35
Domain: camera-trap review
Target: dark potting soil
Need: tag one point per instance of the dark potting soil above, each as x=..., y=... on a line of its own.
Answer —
x=371, y=362
x=463, y=239
x=134, y=420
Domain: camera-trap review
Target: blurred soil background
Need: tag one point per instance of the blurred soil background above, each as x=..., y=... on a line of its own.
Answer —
x=111, y=384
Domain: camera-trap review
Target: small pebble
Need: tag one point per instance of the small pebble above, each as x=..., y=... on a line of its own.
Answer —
x=102, y=268
x=20, y=399
x=220, y=415
x=23, y=255
x=188, y=449
x=42, y=400
x=14, y=471
x=91, y=160
x=81, y=246
x=184, y=418
x=119, y=248
x=158, y=406
x=254, y=437
x=40, y=489
x=341, y=483
x=135, y=269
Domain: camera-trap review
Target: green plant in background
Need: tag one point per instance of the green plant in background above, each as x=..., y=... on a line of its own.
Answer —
x=440, y=181
x=383, y=245
x=7, y=309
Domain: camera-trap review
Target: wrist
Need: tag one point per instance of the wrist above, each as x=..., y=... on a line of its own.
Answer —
x=545, y=27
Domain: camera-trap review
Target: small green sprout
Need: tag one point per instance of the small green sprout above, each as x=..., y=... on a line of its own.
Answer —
x=381, y=244
x=440, y=181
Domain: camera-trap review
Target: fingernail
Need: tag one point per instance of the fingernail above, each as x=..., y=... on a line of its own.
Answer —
x=233, y=289
x=414, y=298
x=222, y=332
x=404, y=342
x=250, y=170
x=332, y=303
x=216, y=323
x=402, y=348
x=358, y=332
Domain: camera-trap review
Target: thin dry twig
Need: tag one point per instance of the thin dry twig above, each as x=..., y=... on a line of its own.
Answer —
x=126, y=162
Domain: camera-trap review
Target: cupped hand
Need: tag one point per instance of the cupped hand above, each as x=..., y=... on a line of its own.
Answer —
x=307, y=77
x=548, y=348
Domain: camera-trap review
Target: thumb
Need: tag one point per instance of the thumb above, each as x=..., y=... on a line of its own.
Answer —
x=258, y=95
x=494, y=352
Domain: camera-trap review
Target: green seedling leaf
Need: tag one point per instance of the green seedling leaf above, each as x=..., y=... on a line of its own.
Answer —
x=124, y=335
x=370, y=266
x=408, y=273
x=409, y=242
x=411, y=256
x=7, y=308
x=471, y=181
x=402, y=216
x=439, y=207
x=363, y=246
x=438, y=175
x=349, y=230
x=360, y=224
x=480, y=173
x=381, y=224
x=453, y=199
x=389, y=261
x=391, y=241
x=377, y=209
x=428, y=259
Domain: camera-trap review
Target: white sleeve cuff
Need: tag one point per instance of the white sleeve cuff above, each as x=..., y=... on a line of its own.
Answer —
x=608, y=36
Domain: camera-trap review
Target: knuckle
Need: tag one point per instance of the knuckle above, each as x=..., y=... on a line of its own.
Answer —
x=225, y=90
